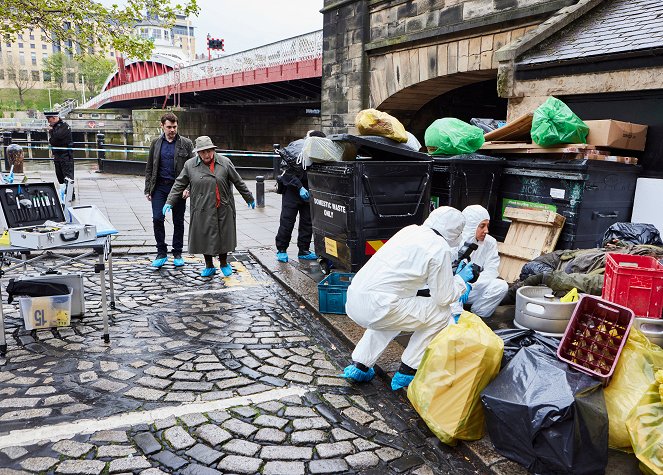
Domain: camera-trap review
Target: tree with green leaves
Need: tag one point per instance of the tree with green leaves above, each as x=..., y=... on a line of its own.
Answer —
x=95, y=70
x=54, y=66
x=19, y=76
x=89, y=25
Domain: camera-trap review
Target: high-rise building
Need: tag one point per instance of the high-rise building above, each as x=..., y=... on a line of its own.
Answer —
x=24, y=57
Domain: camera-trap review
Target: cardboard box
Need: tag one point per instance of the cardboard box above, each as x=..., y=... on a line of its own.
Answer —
x=616, y=134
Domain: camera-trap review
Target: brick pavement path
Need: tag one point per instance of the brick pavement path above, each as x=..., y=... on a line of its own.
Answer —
x=121, y=199
x=202, y=376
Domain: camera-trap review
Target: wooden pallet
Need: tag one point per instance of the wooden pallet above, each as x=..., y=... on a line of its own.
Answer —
x=519, y=128
x=568, y=151
x=532, y=232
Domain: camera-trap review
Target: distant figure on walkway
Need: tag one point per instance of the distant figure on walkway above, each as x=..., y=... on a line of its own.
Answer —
x=383, y=296
x=168, y=153
x=489, y=290
x=59, y=136
x=293, y=183
x=212, y=230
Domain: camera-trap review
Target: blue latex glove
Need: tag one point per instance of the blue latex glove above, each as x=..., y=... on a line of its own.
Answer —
x=465, y=271
x=252, y=205
x=166, y=209
x=463, y=298
x=304, y=194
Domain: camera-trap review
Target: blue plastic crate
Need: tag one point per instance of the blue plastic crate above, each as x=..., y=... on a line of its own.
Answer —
x=333, y=292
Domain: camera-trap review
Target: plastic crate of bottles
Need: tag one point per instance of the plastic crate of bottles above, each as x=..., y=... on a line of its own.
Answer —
x=595, y=336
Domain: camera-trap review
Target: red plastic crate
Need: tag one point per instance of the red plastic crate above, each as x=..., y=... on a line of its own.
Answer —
x=635, y=282
x=595, y=336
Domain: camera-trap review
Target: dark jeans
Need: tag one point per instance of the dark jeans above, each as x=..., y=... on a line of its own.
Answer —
x=64, y=169
x=159, y=197
x=292, y=204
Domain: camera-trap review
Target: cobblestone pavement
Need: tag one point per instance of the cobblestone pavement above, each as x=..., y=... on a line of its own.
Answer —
x=202, y=376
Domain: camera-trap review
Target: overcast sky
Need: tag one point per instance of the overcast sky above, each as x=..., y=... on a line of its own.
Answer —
x=245, y=24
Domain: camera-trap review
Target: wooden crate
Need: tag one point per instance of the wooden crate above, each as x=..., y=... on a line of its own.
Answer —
x=532, y=232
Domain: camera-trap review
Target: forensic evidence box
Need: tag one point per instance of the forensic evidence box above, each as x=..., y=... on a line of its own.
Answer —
x=47, y=236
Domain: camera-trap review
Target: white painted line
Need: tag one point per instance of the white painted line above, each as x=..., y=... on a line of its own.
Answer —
x=208, y=292
x=56, y=432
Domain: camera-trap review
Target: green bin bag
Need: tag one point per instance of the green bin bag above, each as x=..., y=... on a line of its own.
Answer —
x=451, y=136
x=554, y=123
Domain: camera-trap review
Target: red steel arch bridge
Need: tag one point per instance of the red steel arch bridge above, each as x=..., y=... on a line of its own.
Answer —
x=284, y=72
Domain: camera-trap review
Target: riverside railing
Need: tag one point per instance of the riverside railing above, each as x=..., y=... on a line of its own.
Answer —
x=131, y=159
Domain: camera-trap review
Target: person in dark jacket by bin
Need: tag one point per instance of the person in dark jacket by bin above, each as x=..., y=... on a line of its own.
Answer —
x=59, y=136
x=168, y=154
x=295, y=199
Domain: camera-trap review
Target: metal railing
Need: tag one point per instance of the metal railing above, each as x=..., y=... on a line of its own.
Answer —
x=300, y=48
x=114, y=158
x=24, y=124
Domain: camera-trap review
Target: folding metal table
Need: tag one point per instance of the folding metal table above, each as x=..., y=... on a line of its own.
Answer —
x=101, y=247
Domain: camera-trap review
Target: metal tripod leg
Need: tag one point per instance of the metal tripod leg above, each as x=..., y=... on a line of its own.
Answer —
x=3, y=341
x=104, y=303
x=110, y=279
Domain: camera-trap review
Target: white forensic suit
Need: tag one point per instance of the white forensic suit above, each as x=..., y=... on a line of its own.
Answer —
x=488, y=291
x=383, y=295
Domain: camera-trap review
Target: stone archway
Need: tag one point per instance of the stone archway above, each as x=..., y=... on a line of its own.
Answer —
x=402, y=82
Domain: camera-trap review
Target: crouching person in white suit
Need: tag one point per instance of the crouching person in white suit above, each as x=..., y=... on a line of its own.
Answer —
x=383, y=295
x=488, y=291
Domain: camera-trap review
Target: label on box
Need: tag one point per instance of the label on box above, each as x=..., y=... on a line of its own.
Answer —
x=40, y=312
x=330, y=247
x=524, y=204
x=557, y=193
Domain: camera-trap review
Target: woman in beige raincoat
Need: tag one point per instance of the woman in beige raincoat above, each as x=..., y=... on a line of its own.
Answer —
x=209, y=177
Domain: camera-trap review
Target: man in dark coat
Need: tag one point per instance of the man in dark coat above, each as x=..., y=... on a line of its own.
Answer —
x=168, y=154
x=59, y=136
x=295, y=200
x=210, y=177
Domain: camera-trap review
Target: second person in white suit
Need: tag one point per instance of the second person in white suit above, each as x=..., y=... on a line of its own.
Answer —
x=488, y=291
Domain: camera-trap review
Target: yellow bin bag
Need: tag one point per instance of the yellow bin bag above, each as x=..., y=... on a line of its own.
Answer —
x=645, y=426
x=375, y=122
x=633, y=375
x=457, y=365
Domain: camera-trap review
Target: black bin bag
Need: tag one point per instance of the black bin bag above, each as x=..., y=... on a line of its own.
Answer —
x=516, y=339
x=547, y=416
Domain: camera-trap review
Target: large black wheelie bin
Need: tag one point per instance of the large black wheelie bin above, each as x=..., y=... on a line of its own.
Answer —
x=463, y=180
x=358, y=205
x=590, y=194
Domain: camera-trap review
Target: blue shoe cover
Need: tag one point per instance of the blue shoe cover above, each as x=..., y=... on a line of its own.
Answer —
x=355, y=374
x=311, y=256
x=178, y=262
x=159, y=262
x=282, y=256
x=401, y=380
x=208, y=271
x=227, y=270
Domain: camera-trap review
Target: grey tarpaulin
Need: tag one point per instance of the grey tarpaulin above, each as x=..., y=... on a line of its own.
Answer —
x=546, y=416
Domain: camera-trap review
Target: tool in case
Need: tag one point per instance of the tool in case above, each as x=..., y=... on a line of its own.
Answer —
x=29, y=204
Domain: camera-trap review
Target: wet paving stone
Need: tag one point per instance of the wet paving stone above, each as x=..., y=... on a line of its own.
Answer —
x=172, y=346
